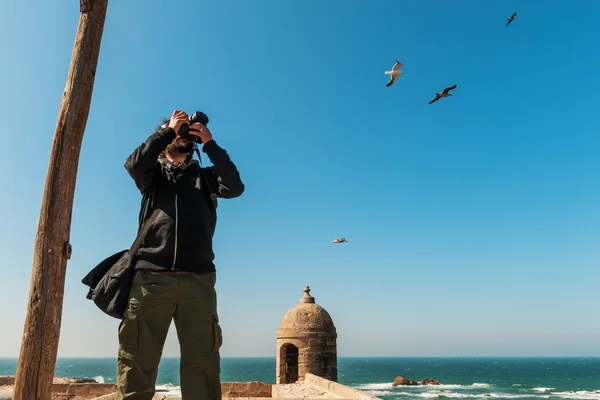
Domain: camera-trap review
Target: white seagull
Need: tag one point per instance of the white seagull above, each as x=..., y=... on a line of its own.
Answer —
x=340, y=240
x=394, y=73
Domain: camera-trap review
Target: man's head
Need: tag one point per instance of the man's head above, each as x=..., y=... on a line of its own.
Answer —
x=179, y=148
x=184, y=143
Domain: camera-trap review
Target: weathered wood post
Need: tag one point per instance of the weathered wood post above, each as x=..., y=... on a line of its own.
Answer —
x=37, y=360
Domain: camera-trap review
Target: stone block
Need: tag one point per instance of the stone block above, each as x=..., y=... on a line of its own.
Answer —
x=60, y=387
x=313, y=350
x=310, y=358
x=90, y=389
x=245, y=389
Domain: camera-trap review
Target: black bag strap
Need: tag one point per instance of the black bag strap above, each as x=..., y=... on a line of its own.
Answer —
x=140, y=237
x=213, y=196
x=199, y=156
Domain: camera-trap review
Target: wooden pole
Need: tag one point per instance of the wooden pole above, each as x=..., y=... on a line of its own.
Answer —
x=37, y=360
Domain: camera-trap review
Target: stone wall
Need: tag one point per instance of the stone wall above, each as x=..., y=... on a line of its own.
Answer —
x=229, y=390
x=343, y=391
x=81, y=391
x=246, y=389
x=7, y=380
x=70, y=388
x=76, y=391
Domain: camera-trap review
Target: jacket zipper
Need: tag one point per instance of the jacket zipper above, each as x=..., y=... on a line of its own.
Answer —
x=176, y=226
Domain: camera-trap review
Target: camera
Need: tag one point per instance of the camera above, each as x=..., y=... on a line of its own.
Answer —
x=184, y=130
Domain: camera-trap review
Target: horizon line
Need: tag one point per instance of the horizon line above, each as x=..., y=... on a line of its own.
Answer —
x=339, y=357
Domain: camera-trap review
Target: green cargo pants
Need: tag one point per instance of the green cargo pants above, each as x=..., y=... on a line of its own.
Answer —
x=154, y=301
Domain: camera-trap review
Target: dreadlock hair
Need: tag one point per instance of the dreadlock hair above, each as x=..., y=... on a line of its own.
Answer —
x=163, y=124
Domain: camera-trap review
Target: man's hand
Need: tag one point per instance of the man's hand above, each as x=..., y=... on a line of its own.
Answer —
x=200, y=130
x=177, y=119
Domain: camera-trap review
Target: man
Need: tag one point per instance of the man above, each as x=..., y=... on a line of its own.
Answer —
x=175, y=275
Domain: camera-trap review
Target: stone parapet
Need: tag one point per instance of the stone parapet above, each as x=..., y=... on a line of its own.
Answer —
x=237, y=390
x=83, y=390
x=342, y=391
x=313, y=387
x=246, y=389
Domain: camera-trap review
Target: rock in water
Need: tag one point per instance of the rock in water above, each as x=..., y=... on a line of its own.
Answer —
x=400, y=380
x=404, y=381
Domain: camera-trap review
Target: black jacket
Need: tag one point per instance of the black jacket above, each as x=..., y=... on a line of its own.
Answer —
x=180, y=203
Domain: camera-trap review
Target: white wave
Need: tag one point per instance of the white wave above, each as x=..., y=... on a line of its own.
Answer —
x=168, y=390
x=579, y=395
x=489, y=395
x=456, y=395
x=458, y=392
x=517, y=384
x=435, y=392
x=450, y=386
x=377, y=393
x=463, y=387
x=429, y=395
x=516, y=396
x=375, y=386
x=384, y=386
x=99, y=379
x=387, y=386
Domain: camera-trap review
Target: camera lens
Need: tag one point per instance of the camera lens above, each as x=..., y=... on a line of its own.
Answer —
x=199, y=116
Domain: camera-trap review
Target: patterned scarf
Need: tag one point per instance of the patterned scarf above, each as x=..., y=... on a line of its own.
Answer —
x=175, y=170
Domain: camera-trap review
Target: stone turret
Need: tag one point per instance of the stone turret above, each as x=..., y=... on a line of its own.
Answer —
x=306, y=343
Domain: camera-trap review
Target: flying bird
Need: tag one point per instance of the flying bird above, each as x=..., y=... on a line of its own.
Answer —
x=443, y=93
x=340, y=240
x=394, y=73
x=512, y=17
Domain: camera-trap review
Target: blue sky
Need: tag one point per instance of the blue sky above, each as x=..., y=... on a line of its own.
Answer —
x=473, y=223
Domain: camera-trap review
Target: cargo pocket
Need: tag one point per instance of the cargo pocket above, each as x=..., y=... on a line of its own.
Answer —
x=217, y=334
x=129, y=328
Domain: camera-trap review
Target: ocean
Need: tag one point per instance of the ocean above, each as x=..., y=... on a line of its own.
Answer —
x=460, y=378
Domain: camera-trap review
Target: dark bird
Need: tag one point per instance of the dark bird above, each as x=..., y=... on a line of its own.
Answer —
x=512, y=17
x=340, y=240
x=443, y=93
